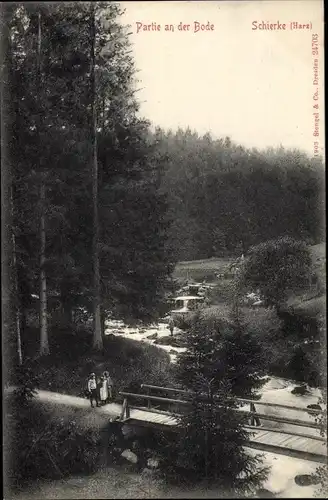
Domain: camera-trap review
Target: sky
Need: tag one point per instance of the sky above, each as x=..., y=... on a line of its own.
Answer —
x=255, y=86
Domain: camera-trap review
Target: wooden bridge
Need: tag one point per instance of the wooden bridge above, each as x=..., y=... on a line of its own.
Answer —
x=278, y=434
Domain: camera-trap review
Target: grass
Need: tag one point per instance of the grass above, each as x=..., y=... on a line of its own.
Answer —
x=201, y=270
x=72, y=359
x=207, y=269
x=113, y=483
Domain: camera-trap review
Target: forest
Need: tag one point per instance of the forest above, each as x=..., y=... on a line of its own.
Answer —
x=101, y=205
x=225, y=198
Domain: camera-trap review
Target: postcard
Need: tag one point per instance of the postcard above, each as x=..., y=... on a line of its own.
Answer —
x=163, y=258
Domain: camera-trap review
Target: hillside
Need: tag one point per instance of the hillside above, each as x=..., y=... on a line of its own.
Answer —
x=208, y=269
x=202, y=270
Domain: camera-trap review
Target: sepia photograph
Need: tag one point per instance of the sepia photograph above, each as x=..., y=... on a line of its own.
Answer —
x=163, y=249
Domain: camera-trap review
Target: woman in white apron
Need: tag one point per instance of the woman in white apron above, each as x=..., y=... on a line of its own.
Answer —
x=103, y=390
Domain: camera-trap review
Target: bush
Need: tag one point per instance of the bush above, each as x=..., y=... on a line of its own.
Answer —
x=50, y=443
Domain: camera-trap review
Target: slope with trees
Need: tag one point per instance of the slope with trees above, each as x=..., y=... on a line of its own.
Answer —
x=225, y=198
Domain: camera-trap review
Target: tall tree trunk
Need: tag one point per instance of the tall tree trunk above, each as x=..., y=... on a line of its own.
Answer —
x=44, y=344
x=97, y=334
x=15, y=286
x=7, y=264
x=66, y=305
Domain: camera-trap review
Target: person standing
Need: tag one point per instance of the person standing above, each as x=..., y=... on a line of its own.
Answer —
x=171, y=325
x=103, y=390
x=92, y=388
x=109, y=382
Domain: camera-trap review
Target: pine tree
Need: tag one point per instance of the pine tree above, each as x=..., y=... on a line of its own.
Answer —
x=44, y=342
x=97, y=333
x=219, y=363
x=221, y=349
x=133, y=259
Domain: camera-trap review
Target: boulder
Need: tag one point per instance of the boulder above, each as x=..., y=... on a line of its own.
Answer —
x=170, y=341
x=314, y=407
x=77, y=482
x=152, y=463
x=299, y=390
x=153, y=336
x=147, y=472
x=130, y=456
x=306, y=480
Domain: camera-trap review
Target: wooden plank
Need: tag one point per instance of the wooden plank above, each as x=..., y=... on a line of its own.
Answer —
x=271, y=418
x=282, y=440
x=301, y=423
x=292, y=433
x=313, y=457
x=291, y=443
x=153, y=410
x=154, y=398
x=314, y=447
x=305, y=449
x=260, y=435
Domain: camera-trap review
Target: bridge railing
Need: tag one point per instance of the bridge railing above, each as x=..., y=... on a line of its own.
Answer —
x=239, y=400
x=242, y=401
x=252, y=414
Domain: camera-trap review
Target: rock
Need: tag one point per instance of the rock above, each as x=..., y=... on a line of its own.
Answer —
x=299, y=390
x=314, y=407
x=169, y=341
x=77, y=482
x=306, y=480
x=147, y=472
x=128, y=431
x=263, y=493
x=153, y=336
x=130, y=456
x=152, y=463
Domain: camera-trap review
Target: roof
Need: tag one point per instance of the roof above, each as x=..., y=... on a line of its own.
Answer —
x=189, y=297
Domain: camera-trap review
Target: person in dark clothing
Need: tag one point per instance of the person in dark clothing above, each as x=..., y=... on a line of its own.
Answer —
x=171, y=325
x=254, y=419
x=109, y=386
x=92, y=388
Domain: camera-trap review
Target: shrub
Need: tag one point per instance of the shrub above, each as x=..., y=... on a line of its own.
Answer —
x=49, y=444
